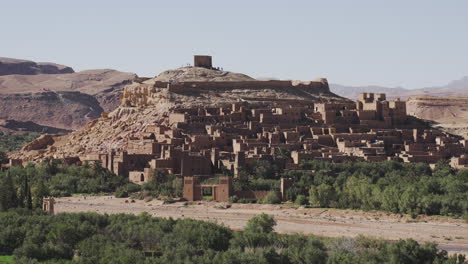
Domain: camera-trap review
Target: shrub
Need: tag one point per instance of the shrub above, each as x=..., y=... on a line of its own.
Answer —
x=271, y=198
x=121, y=192
x=233, y=199
x=247, y=200
x=301, y=200
x=261, y=223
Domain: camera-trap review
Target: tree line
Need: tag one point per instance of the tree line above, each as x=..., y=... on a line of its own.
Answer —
x=388, y=186
x=90, y=238
x=25, y=187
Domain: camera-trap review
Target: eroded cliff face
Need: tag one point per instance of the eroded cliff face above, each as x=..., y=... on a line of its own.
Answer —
x=65, y=101
x=64, y=110
x=449, y=113
x=149, y=102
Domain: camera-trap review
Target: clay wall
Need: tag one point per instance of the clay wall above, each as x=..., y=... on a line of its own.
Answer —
x=317, y=86
x=195, y=165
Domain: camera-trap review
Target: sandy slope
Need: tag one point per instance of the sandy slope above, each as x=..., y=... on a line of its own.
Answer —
x=450, y=234
x=449, y=112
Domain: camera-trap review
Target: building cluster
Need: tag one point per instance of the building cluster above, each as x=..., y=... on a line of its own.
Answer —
x=202, y=141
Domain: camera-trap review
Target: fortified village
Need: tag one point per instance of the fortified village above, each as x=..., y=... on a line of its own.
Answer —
x=202, y=139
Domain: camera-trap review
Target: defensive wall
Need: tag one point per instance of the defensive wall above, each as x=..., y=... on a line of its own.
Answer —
x=320, y=85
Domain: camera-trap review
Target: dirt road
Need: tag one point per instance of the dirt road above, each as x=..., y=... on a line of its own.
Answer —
x=450, y=234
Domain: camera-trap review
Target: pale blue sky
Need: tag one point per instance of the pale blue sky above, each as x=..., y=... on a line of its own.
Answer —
x=411, y=43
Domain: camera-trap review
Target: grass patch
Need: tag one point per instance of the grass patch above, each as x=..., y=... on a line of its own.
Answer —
x=6, y=259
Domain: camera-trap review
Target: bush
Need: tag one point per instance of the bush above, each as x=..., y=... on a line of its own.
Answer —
x=271, y=198
x=301, y=200
x=233, y=199
x=247, y=201
x=322, y=195
x=86, y=238
x=121, y=192
x=261, y=223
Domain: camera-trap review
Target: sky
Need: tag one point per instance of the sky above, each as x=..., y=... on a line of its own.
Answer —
x=408, y=43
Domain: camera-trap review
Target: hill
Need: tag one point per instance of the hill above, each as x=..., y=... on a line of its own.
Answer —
x=59, y=98
x=147, y=102
x=453, y=88
x=10, y=66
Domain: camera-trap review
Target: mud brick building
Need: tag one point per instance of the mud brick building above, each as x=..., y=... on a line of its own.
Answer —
x=199, y=142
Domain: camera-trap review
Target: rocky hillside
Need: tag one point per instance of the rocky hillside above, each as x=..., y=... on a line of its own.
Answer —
x=13, y=127
x=145, y=103
x=10, y=66
x=58, y=98
x=447, y=112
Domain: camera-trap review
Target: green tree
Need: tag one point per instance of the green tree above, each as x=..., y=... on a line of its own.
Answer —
x=8, y=198
x=3, y=157
x=409, y=200
x=390, y=199
x=39, y=192
x=322, y=195
x=262, y=223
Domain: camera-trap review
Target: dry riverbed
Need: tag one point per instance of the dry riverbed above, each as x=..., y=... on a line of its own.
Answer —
x=450, y=234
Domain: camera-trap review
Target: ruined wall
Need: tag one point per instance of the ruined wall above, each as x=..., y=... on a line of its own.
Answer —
x=317, y=86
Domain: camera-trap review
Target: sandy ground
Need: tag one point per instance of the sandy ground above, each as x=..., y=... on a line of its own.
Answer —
x=450, y=234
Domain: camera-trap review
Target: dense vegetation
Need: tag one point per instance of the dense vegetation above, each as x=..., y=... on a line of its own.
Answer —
x=10, y=143
x=25, y=187
x=389, y=186
x=95, y=239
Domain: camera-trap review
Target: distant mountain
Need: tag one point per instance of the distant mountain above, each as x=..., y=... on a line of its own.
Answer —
x=457, y=87
x=446, y=106
x=53, y=95
x=10, y=66
x=352, y=92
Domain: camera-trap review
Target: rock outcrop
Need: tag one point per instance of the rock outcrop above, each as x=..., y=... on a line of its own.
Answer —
x=39, y=143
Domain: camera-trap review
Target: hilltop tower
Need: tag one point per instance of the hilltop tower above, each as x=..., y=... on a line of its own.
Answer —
x=202, y=61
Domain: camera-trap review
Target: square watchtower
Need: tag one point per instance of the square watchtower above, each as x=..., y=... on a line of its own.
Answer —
x=202, y=61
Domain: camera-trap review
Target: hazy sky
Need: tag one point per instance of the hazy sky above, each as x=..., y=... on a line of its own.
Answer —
x=411, y=43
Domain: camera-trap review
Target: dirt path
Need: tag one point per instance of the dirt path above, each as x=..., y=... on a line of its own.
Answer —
x=450, y=234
